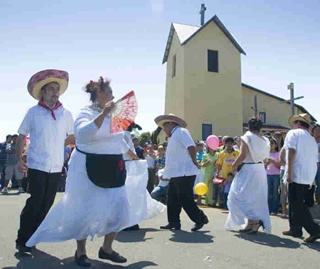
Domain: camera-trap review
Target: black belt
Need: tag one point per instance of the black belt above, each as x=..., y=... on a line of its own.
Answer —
x=253, y=163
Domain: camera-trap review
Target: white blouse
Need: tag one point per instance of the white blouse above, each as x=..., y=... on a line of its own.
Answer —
x=91, y=139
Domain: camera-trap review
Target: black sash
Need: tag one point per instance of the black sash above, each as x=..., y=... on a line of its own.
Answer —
x=240, y=166
x=105, y=170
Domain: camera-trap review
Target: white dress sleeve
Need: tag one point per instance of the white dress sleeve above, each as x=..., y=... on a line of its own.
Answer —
x=85, y=127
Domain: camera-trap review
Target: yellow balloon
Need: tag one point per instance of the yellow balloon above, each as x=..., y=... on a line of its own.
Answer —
x=201, y=188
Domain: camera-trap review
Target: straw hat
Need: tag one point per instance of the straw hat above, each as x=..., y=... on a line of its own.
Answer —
x=160, y=120
x=38, y=80
x=301, y=117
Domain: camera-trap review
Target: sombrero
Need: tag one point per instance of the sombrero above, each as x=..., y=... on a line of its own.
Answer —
x=160, y=120
x=38, y=80
x=301, y=117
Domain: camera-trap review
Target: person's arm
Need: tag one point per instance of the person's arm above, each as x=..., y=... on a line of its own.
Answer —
x=132, y=155
x=70, y=140
x=105, y=112
x=244, y=150
x=193, y=154
x=219, y=162
x=283, y=156
x=22, y=166
x=291, y=158
x=205, y=161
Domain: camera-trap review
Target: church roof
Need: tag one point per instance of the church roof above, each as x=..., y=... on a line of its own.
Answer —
x=186, y=32
x=280, y=99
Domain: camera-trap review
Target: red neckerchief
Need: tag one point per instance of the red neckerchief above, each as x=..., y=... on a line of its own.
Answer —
x=303, y=128
x=51, y=109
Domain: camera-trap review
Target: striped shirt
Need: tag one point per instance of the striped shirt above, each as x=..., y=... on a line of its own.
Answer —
x=11, y=157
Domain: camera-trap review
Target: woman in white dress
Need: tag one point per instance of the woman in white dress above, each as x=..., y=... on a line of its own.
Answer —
x=101, y=208
x=248, y=197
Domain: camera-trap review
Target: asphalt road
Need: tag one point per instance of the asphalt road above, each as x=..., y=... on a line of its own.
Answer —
x=150, y=247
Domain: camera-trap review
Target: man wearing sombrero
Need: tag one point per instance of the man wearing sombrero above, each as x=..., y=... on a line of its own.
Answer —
x=301, y=158
x=182, y=168
x=50, y=126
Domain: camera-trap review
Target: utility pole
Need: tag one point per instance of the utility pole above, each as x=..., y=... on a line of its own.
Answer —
x=255, y=107
x=202, y=13
x=292, y=99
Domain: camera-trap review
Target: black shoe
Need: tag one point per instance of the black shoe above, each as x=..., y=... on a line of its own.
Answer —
x=22, y=248
x=255, y=228
x=205, y=219
x=114, y=256
x=199, y=225
x=132, y=228
x=82, y=261
x=171, y=226
x=293, y=234
x=312, y=238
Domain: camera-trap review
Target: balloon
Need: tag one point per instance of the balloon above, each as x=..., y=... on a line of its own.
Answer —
x=201, y=189
x=213, y=142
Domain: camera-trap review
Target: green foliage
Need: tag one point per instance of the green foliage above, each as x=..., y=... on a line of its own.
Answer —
x=144, y=138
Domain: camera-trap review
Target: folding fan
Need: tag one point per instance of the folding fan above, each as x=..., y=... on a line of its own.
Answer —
x=125, y=112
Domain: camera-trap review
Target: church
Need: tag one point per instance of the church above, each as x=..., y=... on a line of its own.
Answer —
x=204, y=87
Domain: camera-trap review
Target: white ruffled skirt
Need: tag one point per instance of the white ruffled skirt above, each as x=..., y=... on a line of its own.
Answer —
x=248, y=197
x=87, y=210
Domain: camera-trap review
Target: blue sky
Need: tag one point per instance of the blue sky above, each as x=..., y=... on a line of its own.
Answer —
x=125, y=41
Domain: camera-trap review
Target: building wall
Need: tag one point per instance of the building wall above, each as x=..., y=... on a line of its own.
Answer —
x=175, y=85
x=214, y=98
x=277, y=113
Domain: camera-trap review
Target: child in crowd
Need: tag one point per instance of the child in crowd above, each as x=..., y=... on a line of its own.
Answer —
x=224, y=163
x=208, y=167
x=273, y=174
x=227, y=185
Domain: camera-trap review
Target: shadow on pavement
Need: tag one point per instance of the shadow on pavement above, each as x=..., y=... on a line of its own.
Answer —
x=314, y=246
x=191, y=237
x=42, y=260
x=270, y=240
x=10, y=194
x=135, y=236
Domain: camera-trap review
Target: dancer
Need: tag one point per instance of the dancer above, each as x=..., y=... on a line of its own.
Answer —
x=96, y=198
x=182, y=168
x=48, y=124
x=248, y=196
x=302, y=156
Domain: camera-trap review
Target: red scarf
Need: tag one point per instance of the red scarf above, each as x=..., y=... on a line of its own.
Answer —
x=303, y=128
x=51, y=109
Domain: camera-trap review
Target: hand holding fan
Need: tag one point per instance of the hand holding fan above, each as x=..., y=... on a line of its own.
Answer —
x=125, y=112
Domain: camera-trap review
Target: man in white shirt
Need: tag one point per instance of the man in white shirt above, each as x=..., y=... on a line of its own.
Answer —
x=50, y=127
x=301, y=159
x=182, y=168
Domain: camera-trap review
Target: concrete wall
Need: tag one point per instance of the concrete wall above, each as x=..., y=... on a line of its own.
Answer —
x=174, y=100
x=214, y=98
x=277, y=113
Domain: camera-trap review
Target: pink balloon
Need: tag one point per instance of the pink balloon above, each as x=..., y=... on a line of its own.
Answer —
x=213, y=142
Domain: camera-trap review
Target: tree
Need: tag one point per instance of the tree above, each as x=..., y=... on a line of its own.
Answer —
x=144, y=138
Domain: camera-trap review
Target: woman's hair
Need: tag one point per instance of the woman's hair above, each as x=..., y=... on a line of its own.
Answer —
x=92, y=87
x=255, y=125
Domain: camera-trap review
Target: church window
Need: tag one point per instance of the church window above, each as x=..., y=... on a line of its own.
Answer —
x=213, y=61
x=206, y=131
x=174, y=63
